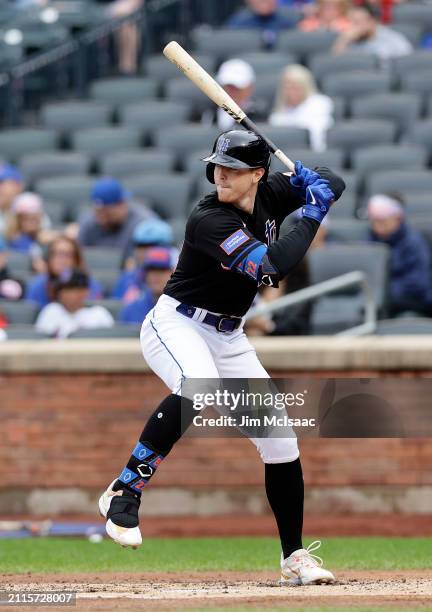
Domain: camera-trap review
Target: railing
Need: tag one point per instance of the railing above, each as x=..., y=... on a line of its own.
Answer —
x=344, y=281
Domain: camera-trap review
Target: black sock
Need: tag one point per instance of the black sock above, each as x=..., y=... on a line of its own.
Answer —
x=285, y=492
x=163, y=429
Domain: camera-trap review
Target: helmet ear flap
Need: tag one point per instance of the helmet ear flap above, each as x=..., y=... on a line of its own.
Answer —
x=210, y=172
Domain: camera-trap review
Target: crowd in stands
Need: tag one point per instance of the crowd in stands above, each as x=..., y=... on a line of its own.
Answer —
x=104, y=260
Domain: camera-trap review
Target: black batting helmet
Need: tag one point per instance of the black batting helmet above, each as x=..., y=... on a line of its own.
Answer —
x=238, y=149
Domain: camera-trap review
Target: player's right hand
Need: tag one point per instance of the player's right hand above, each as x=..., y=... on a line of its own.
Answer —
x=319, y=198
x=303, y=177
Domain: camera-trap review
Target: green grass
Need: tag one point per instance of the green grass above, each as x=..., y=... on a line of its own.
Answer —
x=188, y=554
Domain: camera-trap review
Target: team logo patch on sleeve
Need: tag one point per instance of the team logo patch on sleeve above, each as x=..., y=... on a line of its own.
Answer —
x=234, y=241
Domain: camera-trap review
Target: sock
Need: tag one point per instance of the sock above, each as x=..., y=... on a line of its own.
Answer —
x=285, y=492
x=163, y=429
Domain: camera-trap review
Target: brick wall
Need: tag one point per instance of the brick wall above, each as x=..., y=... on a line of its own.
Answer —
x=63, y=430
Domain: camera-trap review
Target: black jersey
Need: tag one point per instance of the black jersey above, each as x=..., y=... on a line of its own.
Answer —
x=216, y=235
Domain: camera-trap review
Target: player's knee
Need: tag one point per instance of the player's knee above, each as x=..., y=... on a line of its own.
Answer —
x=277, y=450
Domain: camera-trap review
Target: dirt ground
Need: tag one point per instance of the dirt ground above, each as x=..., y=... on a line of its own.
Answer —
x=175, y=591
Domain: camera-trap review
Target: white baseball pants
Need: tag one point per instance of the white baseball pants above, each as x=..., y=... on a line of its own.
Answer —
x=176, y=348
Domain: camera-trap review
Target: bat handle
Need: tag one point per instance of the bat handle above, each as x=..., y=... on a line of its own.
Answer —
x=250, y=125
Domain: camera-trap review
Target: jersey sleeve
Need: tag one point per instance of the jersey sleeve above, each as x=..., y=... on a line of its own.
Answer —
x=225, y=238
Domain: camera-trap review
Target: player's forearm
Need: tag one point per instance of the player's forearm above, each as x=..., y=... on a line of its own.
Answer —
x=289, y=250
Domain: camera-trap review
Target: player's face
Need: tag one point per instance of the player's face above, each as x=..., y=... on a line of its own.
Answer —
x=232, y=185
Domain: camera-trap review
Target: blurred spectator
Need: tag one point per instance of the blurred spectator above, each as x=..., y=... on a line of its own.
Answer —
x=299, y=104
x=237, y=77
x=11, y=184
x=63, y=254
x=68, y=312
x=24, y=231
x=146, y=235
x=289, y=321
x=128, y=37
x=10, y=288
x=328, y=15
x=366, y=34
x=112, y=221
x=263, y=15
x=157, y=268
x=410, y=284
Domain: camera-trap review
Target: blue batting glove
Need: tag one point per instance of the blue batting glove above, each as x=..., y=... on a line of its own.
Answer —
x=319, y=198
x=303, y=177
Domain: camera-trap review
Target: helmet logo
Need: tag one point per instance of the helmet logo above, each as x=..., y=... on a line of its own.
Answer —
x=222, y=145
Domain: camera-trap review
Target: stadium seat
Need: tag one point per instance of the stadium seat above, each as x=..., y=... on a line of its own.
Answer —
x=390, y=157
x=352, y=180
x=399, y=180
x=118, y=91
x=183, y=90
x=20, y=264
x=99, y=258
x=336, y=312
x=345, y=208
x=14, y=143
x=22, y=312
x=286, y=137
x=356, y=83
x=117, y=331
x=305, y=44
x=24, y=332
x=403, y=108
x=169, y=192
x=347, y=230
x=133, y=162
x=61, y=163
x=70, y=190
x=417, y=61
x=420, y=133
x=264, y=62
x=178, y=227
x=57, y=213
x=418, y=82
x=412, y=13
x=194, y=165
x=324, y=64
x=404, y=326
x=355, y=133
x=150, y=115
x=157, y=66
x=107, y=278
x=225, y=43
x=68, y=116
x=99, y=141
x=114, y=307
x=332, y=158
x=418, y=204
x=186, y=138
x=266, y=88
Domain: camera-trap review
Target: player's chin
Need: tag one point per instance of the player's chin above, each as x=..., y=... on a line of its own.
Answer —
x=225, y=195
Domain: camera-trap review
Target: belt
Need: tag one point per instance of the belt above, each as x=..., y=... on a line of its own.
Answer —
x=222, y=323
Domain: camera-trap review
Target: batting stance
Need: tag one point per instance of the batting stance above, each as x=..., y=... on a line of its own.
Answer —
x=231, y=247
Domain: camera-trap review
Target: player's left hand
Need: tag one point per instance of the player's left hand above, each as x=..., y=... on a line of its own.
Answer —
x=303, y=177
x=319, y=198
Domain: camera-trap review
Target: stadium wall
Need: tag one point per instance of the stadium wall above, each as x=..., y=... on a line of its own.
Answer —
x=72, y=410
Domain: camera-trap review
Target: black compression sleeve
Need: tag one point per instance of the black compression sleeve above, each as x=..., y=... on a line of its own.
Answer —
x=289, y=250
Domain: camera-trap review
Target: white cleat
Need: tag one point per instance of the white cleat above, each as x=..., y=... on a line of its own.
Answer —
x=303, y=568
x=117, y=503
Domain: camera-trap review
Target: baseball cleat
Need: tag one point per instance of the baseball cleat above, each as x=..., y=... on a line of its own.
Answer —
x=302, y=568
x=121, y=510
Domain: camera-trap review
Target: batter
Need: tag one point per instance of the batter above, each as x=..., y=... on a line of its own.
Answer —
x=231, y=247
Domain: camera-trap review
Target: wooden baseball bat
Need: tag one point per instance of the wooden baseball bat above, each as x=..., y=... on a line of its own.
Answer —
x=186, y=63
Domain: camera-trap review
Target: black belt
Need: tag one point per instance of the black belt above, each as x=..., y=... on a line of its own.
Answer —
x=222, y=323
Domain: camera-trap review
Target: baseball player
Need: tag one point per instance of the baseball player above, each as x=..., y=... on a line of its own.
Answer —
x=231, y=246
